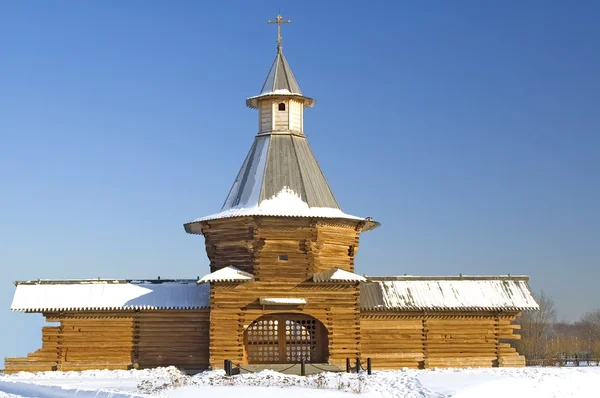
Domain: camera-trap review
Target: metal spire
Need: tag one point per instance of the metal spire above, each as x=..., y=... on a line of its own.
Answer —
x=279, y=20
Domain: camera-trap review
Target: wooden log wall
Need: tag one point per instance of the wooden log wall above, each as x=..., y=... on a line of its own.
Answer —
x=395, y=340
x=120, y=340
x=95, y=341
x=230, y=242
x=178, y=338
x=255, y=244
x=235, y=306
x=282, y=253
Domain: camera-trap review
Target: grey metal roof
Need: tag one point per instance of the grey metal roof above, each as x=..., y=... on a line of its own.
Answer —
x=280, y=177
x=446, y=293
x=276, y=162
x=280, y=77
x=280, y=82
x=291, y=163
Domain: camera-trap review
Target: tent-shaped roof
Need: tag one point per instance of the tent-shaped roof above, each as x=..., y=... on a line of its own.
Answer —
x=280, y=81
x=280, y=78
x=281, y=177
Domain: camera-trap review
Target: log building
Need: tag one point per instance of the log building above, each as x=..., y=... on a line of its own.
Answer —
x=281, y=287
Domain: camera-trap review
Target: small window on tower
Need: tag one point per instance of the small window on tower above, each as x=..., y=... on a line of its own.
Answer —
x=283, y=257
x=282, y=106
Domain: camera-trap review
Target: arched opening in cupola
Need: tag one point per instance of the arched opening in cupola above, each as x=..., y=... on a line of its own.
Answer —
x=281, y=106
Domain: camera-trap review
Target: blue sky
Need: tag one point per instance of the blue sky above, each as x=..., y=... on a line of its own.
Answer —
x=469, y=129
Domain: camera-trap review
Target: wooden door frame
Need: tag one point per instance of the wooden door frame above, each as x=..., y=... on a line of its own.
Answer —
x=321, y=336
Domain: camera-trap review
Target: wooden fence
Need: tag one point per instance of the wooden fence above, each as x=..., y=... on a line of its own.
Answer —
x=568, y=361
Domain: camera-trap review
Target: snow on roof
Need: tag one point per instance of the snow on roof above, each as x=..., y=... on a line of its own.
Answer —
x=447, y=293
x=337, y=275
x=284, y=204
x=227, y=274
x=280, y=177
x=282, y=301
x=108, y=295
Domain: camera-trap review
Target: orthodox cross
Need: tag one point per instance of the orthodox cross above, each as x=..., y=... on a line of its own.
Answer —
x=279, y=20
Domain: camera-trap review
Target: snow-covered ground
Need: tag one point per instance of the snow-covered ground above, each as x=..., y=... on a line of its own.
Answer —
x=168, y=382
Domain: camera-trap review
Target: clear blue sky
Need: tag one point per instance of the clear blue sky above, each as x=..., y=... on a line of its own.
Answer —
x=469, y=129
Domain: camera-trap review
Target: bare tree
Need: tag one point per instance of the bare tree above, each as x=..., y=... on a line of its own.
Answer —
x=591, y=326
x=537, y=327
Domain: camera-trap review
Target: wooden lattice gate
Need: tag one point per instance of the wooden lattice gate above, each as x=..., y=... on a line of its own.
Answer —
x=286, y=338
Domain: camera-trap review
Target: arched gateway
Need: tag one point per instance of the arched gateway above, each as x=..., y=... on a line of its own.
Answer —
x=286, y=338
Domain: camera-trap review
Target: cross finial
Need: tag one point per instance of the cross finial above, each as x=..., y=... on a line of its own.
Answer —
x=279, y=20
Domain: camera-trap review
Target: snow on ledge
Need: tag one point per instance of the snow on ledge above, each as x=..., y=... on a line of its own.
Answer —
x=282, y=301
x=337, y=275
x=227, y=274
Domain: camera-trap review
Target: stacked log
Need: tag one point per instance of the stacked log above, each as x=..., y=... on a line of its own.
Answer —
x=393, y=341
x=343, y=325
x=439, y=340
x=226, y=334
x=259, y=244
x=44, y=359
x=120, y=340
x=230, y=243
x=507, y=355
x=177, y=338
x=95, y=341
x=460, y=342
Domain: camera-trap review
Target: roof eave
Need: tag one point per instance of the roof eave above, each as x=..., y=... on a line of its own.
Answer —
x=123, y=309
x=448, y=278
x=446, y=309
x=370, y=225
x=252, y=102
x=193, y=228
x=102, y=281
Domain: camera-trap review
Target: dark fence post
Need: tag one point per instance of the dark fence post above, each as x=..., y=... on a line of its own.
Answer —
x=369, y=366
x=348, y=366
x=227, y=366
x=302, y=367
x=357, y=365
